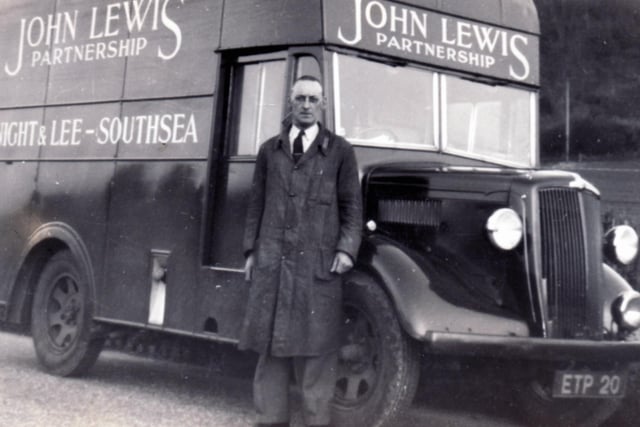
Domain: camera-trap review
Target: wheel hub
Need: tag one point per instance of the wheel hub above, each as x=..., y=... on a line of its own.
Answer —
x=64, y=310
x=357, y=369
x=70, y=313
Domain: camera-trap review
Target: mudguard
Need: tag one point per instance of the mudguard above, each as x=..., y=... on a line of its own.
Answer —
x=48, y=237
x=419, y=309
x=613, y=285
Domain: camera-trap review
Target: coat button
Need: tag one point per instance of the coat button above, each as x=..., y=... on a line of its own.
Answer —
x=292, y=194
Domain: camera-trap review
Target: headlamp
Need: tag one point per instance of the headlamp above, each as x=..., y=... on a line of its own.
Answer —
x=504, y=228
x=621, y=244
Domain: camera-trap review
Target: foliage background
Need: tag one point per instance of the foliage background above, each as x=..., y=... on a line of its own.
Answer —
x=590, y=55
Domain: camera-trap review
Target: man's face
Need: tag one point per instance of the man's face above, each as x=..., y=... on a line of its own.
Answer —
x=307, y=102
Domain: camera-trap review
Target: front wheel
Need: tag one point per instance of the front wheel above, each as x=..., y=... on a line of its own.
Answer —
x=61, y=318
x=378, y=368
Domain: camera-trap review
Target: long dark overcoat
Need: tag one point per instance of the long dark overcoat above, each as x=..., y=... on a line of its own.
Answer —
x=299, y=216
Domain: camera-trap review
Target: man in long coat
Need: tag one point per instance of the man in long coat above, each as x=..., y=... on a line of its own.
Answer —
x=303, y=231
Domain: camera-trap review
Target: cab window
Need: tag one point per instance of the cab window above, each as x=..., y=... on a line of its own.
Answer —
x=257, y=104
x=258, y=99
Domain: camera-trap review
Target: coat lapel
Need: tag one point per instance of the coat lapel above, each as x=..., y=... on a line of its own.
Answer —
x=320, y=145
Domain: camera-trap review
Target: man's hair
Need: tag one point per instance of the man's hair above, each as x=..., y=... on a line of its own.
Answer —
x=308, y=78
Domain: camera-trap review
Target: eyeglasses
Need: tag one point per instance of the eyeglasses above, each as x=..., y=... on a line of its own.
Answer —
x=313, y=100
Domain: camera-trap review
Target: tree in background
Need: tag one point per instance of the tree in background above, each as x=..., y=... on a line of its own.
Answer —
x=590, y=55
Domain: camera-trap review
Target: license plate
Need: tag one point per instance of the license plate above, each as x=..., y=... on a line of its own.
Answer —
x=589, y=384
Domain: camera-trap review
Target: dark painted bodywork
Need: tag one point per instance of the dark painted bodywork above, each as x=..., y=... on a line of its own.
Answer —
x=472, y=291
x=116, y=205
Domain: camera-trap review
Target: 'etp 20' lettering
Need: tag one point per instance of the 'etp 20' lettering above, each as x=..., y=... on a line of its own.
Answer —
x=610, y=385
x=583, y=384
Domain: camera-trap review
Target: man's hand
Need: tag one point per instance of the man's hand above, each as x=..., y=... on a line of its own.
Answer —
x=248, y=267
x=341, y=263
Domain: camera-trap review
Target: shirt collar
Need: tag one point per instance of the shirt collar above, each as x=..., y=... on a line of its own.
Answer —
x=311, y=132
x=323, y=146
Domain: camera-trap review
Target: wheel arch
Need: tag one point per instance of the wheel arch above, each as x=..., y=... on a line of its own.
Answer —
x=42, y=244
x=418, y=307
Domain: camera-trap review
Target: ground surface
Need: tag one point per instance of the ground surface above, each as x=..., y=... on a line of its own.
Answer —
x=126, y=390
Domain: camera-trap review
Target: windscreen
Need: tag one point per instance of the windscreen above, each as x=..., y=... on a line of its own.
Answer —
x=490, y=122
x=400, y=106
x=381, y=104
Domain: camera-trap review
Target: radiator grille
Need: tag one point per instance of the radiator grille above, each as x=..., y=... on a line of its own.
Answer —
x=564, y=261
x=410, y=212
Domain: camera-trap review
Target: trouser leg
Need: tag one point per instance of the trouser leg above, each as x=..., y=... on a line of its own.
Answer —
x=271, y=389
x=317, y=379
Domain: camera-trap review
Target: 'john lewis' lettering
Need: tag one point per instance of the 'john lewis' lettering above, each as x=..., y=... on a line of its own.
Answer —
x=114, y=32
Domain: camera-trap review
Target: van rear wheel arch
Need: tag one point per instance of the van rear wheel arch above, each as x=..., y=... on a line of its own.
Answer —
x=41, y=246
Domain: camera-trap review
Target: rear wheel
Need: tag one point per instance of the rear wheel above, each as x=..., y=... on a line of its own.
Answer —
x=61, y=318
x=378, y=367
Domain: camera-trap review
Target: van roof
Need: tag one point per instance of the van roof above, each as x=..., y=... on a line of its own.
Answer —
x=260, y=23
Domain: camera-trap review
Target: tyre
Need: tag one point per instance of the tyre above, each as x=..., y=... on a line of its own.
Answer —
x=61, y=318
x=541, y=409
x=379, y=365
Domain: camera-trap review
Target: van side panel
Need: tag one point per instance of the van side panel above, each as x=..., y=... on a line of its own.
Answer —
x=18, y=172
x=20, y=85
x=157, y=205
x=183, y=60
x=106, y=126
x=249, y=23
x=18, y=182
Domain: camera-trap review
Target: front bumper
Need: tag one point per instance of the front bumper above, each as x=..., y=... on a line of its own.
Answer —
x=528, y=348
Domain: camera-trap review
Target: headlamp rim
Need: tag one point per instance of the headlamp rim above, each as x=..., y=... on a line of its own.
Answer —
x=613, y=241
x=496, y=220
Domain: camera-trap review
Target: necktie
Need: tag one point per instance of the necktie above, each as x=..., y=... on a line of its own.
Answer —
x=297, y=146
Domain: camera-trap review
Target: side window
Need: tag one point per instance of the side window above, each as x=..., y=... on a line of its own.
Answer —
x=307, y=65
x=257, y=104
x=258, y=100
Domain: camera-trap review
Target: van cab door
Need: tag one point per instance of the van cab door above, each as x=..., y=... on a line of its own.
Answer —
x=255, y=109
